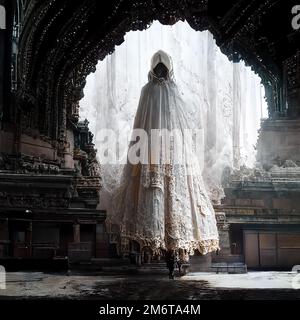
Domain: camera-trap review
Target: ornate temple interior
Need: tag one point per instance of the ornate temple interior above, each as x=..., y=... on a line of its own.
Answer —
x=71, y=68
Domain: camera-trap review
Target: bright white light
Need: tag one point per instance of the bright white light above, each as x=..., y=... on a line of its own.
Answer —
x=205, y=78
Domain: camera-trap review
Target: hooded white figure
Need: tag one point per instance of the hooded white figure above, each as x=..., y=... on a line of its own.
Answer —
x=162, y=202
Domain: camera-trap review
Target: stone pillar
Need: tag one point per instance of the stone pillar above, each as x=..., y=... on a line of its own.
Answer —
x=291, y=72
x=102, y=244
x=225, y=249
x=76, y=232
x=29, y=239
x=224, y=241
x=291, y=76
x=138, y=259
x=4, y=238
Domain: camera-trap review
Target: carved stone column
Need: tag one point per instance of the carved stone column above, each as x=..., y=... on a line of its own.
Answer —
x=291, y=73
x=223, y=228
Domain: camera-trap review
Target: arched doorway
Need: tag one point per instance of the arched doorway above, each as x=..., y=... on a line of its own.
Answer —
x=62, y=41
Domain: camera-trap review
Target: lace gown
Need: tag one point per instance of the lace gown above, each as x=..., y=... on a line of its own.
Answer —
x=163, y=204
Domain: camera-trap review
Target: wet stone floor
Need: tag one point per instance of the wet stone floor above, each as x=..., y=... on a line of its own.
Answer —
x=118, y=286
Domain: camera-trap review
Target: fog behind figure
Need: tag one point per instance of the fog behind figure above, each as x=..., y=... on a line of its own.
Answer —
x=162, y=203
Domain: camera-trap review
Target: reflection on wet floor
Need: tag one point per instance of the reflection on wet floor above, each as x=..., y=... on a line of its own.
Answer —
x=200, y=286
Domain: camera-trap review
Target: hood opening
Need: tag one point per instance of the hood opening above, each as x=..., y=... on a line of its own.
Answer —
x=161, y=65
x=161, y=71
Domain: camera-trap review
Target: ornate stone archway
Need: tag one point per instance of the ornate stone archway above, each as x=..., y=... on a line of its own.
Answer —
x=61, y=42
x=50, y=46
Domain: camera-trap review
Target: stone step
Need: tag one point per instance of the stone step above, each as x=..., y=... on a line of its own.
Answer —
x=231, y=258
x=110, y=262
x=154, y=265
x=231, y=268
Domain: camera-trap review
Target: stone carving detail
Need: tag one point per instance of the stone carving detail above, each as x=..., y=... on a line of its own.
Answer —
x=27, y=164
x=85, y=152
x=49, y=191
x=4, y=162
x=221, y=221
x=244, y=174
x=30, y=202
x=289, y=164
x=291, y=68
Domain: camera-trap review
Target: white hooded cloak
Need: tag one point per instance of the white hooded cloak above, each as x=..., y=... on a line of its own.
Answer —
x=163, y=204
